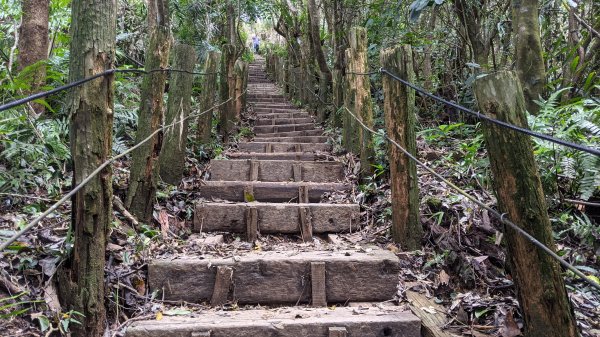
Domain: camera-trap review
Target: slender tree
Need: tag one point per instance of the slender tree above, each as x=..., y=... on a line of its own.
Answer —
x=90, y=107
x=33, y=43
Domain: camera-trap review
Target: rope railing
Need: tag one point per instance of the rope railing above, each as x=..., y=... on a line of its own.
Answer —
x=77, y=83
x=500, y=216
x=99, y=169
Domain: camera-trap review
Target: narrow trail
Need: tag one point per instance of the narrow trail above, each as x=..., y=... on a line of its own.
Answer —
x=274, y=186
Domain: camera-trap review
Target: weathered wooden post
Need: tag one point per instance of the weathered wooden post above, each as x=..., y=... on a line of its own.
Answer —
x=540, y=286
x=338, y=96
x=172, y=155
x=144, y=167
x=363, y=105
x=207, y=97
x=227, y=91
x=323, y=97
x=400, y=120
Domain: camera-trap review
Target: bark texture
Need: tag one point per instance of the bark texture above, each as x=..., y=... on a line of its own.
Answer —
x=145, y=165
x=81, y=281
x=363, y=105
x=540, y=286
x=33, y=44
x=400, y=120
x=528, y=51
x=207, y=98
x=172, y=155
x=227, y=91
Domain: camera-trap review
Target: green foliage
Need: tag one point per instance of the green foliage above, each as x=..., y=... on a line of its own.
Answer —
x=578, y=121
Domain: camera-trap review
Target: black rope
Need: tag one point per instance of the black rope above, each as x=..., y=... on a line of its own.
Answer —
x=493, y=120
x=77, y=83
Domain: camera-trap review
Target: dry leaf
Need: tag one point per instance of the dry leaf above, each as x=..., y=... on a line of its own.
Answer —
x=444, y=277
x=163, y=219
x=510, y=328
x=159, y=316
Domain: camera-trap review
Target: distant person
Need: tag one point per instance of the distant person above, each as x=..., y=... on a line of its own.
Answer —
x=255, y=43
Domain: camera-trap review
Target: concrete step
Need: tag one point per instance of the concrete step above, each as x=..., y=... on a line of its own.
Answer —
x=282, y=114
x=268, y=191
x=266, y=111
x=293, y=139
x=276, y=171
x=315, y=132
x=266, y=95
x=283, y=128
x=298, y=156
x=273, y=105
x=280, y=277
x=283, y=147
x=276, y=218
x=269, y=100
x=285, y=322
x=283, y=121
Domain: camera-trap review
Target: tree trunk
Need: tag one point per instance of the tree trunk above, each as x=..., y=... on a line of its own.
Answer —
x=207, y=98
x=144, y=167
x=528, y=51
x=313, y=13
x=227, y=91
x=400, y=120
x=363, y=104
x=33, y=44
x=81, y=281
x=172, y=155
x=540, y=286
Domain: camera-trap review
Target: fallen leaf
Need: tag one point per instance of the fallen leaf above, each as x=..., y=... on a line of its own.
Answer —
x=177, y=312
x=163, y=219
x=510, y=328
x=444, y=277
x=159, y=316
x=429, y=309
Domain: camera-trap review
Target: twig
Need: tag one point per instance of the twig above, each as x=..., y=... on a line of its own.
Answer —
x=26, y=196
x=121, y=208
x=581, y=202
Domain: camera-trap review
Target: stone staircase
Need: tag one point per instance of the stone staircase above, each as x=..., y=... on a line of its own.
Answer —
x=274, y=185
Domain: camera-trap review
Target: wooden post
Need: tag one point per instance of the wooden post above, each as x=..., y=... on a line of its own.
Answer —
x=207, y=98
x=363, y=105
x=540, y=286
x=400, y=120
x=318, y=282
x=338, y=97
x=144, y=167
x=240, y=71
x=172, y=155
x=223, y=280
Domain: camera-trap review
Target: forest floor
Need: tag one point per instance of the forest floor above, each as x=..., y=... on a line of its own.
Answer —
x=461, y=266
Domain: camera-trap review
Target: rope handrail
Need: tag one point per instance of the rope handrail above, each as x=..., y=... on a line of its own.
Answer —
x=498, y=215
x=481, y=116
x=77, y=83
x=99, y=169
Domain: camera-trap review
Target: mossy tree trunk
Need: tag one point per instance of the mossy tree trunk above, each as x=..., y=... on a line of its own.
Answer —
x=540, y=286
x=33, y=45
x=172, y=155
x=81, y=280
x=528, y=51
x=207, y=98
x=145, y=164
x=227, y=90
x=400, y=120
x=363, y=105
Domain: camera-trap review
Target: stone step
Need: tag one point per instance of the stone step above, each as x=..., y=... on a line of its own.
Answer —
x=282, y=114
x=283, y=128
x=275, y=218
x=269, y=100
x=273, y=105
x=280, y=277
x=283, y=147
x=285, y=322
x=268, y=191
x=315, y=132
x=276, y=171
x=298, y=156
x=293, y=139
x=283, y=121
x=266, y=95
x=268, y=111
